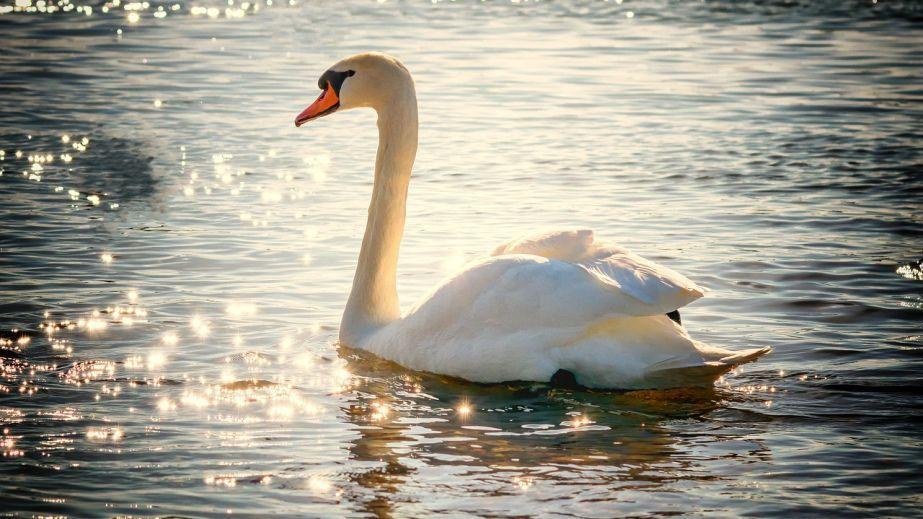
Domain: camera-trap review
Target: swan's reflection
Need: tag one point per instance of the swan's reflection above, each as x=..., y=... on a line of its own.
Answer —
x=519, y=438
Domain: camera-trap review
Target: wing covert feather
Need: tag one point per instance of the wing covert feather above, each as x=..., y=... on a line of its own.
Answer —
x=660, y=288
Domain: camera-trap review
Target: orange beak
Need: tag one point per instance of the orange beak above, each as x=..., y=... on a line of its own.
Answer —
x=326, y=104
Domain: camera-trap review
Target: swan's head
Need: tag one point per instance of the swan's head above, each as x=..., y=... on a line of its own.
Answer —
x=372, y=80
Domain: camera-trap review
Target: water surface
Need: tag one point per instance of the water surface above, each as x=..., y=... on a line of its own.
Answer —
x=175, y=256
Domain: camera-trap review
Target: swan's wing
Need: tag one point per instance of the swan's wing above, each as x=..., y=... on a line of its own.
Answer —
x=503, y=310
x=521, y=290
x=657, y=286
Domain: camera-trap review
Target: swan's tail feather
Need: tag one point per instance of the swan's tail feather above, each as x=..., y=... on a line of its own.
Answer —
x=644, y=353
x=700, y=375
x=675, y=373
x=743, y=357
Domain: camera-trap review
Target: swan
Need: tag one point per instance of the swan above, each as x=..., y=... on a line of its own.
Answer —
x=558, y=306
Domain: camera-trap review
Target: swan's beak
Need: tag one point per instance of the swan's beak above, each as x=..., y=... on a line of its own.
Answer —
x=326, y=104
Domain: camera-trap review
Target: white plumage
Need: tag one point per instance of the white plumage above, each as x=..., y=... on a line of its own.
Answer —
x=557, y=301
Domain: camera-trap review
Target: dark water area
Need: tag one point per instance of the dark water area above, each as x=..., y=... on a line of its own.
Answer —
x=175, y=256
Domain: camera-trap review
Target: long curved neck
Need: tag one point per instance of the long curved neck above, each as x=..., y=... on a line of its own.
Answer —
x=373, y=301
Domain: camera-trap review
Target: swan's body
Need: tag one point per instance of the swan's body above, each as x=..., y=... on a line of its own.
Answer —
x=556, y=301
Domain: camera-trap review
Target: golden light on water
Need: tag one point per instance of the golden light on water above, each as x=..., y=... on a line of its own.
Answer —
x=380, y=411
x=464, y=409
x=578, y=420
x=96, y=433
x=156, y=360
x=8, y=445
x=317, y=165
x=523, y=482
x=221, y=481
x=105, y=433
x=164, y=404
x=227, y=376
x=319, y=484
x=341, y=380
x=912, y=271
x=303, y=361
x=93, y=324
x=169, y=339
x=281, y=412
x=195, y=400
x=239, y=309
x=199, y=326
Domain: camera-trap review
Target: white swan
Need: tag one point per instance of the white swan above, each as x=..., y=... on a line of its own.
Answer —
x=559, y=304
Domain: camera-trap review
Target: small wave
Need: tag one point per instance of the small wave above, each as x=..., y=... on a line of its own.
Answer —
x=872, y=387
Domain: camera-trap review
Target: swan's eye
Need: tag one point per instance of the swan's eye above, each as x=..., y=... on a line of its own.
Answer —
x=335, y=78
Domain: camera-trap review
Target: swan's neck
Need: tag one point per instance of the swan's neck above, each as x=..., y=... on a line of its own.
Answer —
x=373, y=301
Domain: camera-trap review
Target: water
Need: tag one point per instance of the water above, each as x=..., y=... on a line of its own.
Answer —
x=770, y=151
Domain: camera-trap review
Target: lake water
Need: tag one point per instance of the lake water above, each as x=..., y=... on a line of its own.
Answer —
x=175, y=256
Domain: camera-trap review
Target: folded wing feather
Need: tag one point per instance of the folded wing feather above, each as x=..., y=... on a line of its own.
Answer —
x=661, y=288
